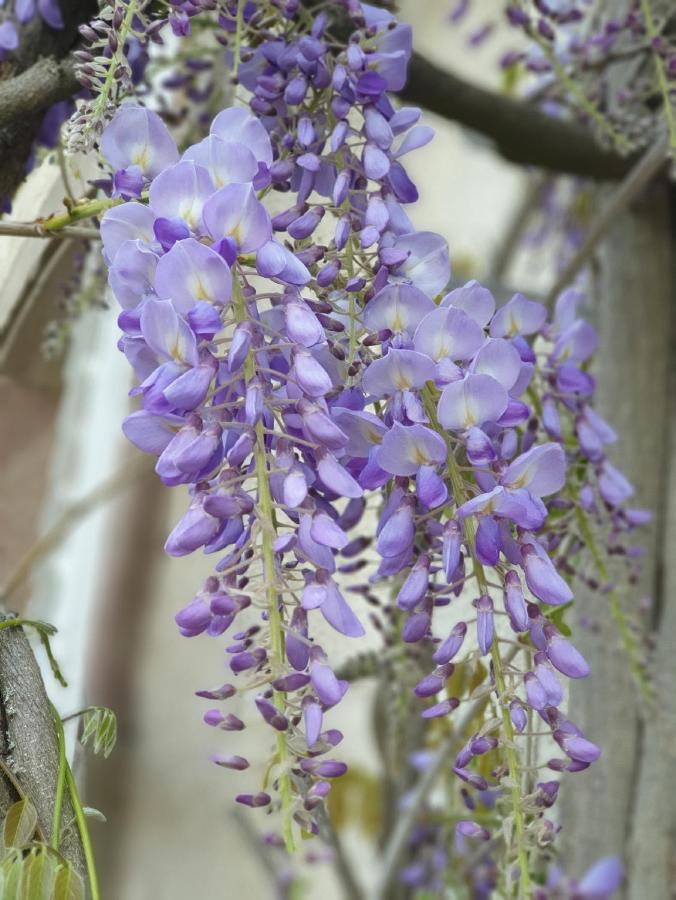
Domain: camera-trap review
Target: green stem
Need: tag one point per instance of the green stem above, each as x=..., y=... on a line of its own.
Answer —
x=118, y=57
x=458, y=489
x=626, y=635
x=83, y=828
x=274, y=615
x=60, y=781
x=661, y=71
x=83, y=210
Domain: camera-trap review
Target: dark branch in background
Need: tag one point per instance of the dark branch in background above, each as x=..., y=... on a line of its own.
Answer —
x=521, y=133
x=34, y=79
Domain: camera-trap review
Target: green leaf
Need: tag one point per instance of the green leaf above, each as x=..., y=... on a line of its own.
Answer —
x=100, y=728
x=37, y=875
x=68, y=885
x=19, y=825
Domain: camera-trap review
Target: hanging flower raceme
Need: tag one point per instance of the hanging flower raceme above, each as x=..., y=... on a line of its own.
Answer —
x=292, y=366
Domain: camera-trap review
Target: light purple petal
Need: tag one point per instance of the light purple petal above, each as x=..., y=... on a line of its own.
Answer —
x=138, y=137
x=542, y=470
x=519, y=316
x=191, y=272
x=237, y=124
x=473, y=401
x=448, y=333
x=474, y=299
x=397, y=307
x=405, y=449
x=427, y=265
x=234, y=211
x=398, y=370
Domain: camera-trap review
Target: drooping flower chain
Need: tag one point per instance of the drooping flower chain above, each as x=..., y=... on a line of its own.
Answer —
x=352, y=374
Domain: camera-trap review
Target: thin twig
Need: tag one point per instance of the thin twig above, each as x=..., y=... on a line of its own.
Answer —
x=630, y=188
x=516, y=227
x=398, y=841
x=343, y=868
x=37, y=230
x=120, y=480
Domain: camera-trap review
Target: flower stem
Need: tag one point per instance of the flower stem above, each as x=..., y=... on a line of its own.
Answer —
x=455, y=477
x=616, y=611
x=267, y=519
x=83, y=828
x=60, y=781
x=660, y=69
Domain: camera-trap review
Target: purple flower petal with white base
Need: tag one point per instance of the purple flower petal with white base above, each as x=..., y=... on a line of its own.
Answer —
x=136, y=136
x=398, y=370
x=235, y=211
x=519, y=316
x=405, y=449
x=474, y=299
x=473, y=401
x=238, y=125
x=448, y=333
x=499, y=359
x=191, y=272
x=181, y=192
x=427, y=265
x=126, y=222
x=541, y=469
x=167, y=334
x=397, y=308
x=228, y=162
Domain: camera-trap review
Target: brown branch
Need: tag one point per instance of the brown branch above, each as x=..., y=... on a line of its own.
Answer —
x=28, y=741
x=521, y=133
x=46, y=82
x=37, y=76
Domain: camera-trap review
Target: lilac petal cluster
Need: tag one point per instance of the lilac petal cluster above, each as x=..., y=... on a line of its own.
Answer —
x=291, y=365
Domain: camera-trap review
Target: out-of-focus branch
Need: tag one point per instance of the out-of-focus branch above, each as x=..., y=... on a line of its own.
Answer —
x=38, y=75
x=396, y=846
x=522, y=133
x=624, y=195
x=46, y=82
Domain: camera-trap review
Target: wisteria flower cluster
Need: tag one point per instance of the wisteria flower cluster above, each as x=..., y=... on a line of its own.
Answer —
x=301, y=368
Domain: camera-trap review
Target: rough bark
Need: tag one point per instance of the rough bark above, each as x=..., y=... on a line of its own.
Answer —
x=635, y=297
x=40, y=52
x=28, y=742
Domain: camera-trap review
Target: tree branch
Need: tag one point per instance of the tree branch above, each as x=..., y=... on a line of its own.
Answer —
x=28, y=742
x=46, y=82
x=522, y=133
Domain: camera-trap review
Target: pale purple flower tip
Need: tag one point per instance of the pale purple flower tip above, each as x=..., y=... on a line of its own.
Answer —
x=230, y=762
x=253, y=800
x=441, y=709
x=446, y=651
x=563, y=655
x=484, y=623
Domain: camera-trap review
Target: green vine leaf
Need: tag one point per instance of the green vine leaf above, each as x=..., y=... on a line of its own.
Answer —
x=68, y=885
x=99, y=729
x=19, y=825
